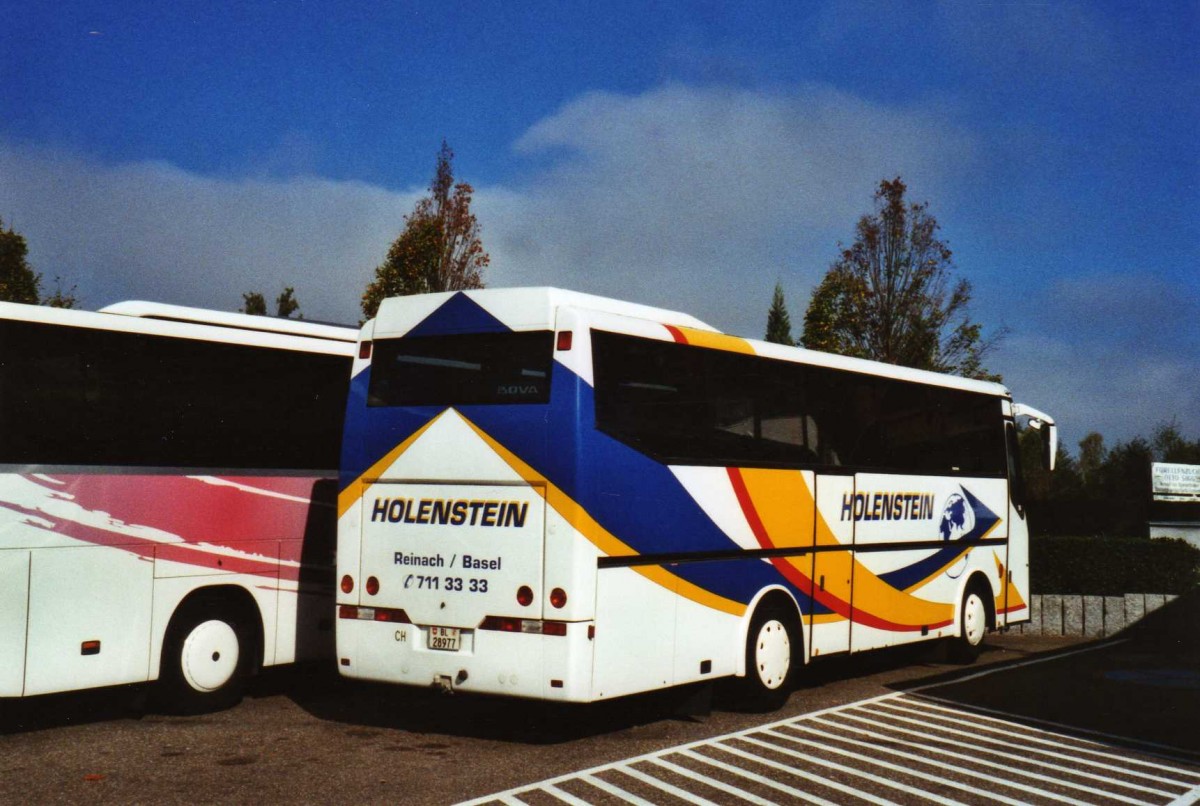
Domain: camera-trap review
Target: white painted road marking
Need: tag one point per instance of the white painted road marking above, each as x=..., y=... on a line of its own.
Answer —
x=902, y=747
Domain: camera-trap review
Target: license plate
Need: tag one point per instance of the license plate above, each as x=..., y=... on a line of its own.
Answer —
x=445, y=638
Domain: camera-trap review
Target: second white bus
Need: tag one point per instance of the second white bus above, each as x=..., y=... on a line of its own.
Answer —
x=166, y=497
x=553, y=495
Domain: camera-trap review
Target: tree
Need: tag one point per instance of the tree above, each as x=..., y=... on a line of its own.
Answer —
x=891, y=297
x=18, y=281
x=61, y=298
x=255, y=304
x=439, y=249
x=286, y=304
x=1092, y=456
x=779, y=323
x=1171, y=446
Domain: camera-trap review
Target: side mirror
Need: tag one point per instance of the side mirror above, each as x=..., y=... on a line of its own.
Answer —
x=1044, y=423
x=1049, y=442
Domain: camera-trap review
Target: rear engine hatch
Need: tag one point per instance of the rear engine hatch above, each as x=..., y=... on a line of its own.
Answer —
x=451, y=554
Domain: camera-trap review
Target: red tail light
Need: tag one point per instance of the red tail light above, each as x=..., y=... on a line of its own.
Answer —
x=564, y=341
x=523, y=625
x=372, y=586
x=373, y=614
x=394, y=616
x=347, y=583
x=364, y=350
x=524, y=596
x=558, y=598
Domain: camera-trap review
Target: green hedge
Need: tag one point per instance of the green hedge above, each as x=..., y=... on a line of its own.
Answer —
x=1110, y=566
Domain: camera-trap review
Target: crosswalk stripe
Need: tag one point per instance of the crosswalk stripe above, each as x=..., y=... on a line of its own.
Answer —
x=1014, y=757
x=893, y=784
x=945, y=745
x=712, y=782
x=565, y=797
x=1153, y=749
x=1026, y=754
x=666, y=787
x=828, y=782
x=972, y=761
x=908, y=770
x=616, y=791
x=758, y=779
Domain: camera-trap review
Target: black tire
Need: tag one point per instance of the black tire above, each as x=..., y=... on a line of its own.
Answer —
x=772, y=647
x=206, y=658
x=972, y=626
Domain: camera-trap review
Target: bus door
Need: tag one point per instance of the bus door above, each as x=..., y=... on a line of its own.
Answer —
x=833, y=566
x=1011, y=604
x=14, y=603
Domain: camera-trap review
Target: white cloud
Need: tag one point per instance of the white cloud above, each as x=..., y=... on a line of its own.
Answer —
x=1117, y=389
x=692, y=198
x=699, y=198
x=152, y=231
x=696, y=198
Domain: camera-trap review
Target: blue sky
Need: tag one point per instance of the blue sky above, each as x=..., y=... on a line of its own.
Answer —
x=686, y=155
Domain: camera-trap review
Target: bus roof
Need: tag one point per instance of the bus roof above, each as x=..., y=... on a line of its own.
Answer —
x=197, y=323
x=516, y=308
x=534, y=308
x=242, y=321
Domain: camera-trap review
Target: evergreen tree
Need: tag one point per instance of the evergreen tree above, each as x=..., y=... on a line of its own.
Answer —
x=779, y=323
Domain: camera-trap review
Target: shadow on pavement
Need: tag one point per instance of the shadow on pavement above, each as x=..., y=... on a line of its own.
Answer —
x=423, y=711
x=75, y=708
x=1142, y=685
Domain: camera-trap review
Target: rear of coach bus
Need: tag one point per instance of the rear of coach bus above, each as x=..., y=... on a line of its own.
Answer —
x=453, y=570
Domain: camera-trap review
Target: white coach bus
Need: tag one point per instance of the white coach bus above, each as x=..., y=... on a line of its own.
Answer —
x=552, y=495
x=166, y=497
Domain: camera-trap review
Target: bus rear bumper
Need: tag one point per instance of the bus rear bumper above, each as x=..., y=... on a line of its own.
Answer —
x=513, y=664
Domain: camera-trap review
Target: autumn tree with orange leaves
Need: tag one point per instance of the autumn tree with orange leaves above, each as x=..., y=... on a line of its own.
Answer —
x=439, y=249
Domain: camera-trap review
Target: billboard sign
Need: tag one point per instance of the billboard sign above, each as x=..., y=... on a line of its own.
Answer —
x=1174, y=482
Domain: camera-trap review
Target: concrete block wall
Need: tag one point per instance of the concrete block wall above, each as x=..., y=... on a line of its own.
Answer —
x=1089, y=616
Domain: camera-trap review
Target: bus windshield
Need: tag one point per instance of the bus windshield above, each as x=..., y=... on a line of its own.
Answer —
x=463, y=369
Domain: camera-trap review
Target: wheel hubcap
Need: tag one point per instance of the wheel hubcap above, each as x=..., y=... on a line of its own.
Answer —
x=974, y=620
x=772, y=654
x=209, y=657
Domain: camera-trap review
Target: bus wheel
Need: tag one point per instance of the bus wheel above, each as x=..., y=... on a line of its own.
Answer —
x=204, y=662
x=771, y=646
x=973, y=623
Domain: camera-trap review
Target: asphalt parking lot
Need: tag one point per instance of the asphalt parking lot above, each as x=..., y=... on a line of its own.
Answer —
x=304, y=736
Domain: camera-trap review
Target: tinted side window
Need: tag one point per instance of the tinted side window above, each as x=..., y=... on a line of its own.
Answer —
x=689, y=404
x=95, y=397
